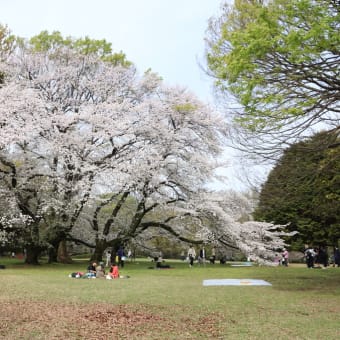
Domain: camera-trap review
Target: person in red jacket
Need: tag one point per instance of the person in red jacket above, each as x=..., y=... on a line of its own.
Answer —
x=114, y=271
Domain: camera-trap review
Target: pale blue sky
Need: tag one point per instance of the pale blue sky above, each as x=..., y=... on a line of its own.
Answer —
x=166, y=35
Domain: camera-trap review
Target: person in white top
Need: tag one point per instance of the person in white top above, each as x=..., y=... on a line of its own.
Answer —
x=108, y=259
x=191, y=255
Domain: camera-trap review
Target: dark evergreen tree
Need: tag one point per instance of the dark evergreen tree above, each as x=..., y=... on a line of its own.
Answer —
x=303, y=189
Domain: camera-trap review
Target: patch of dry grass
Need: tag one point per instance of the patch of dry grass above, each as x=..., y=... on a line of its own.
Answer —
x=40, y=320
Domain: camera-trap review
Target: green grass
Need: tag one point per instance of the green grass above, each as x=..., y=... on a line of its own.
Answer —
x=301, y=303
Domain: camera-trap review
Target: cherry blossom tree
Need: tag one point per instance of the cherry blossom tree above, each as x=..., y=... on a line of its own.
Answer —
x=93, y=116
x=94, y=133
x=57, y=133
x=177, y=138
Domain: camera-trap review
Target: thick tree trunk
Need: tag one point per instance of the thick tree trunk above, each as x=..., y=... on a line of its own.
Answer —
x=54, y=248
x=33, y=245
x=101, y=245
x=52, y=255
x=32, y=254
x=63, y=256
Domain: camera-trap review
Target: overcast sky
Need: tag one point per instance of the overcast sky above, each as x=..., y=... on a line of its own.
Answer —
x=164, y=35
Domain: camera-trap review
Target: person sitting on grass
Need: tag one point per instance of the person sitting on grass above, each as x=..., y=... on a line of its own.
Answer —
x=160, y=265
x=91, y=271
x=100, y=272
x=114, y=272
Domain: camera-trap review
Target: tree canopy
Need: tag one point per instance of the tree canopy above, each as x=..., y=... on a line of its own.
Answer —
x=303, y=189
x=97, y=139
x=281, y=62
x=54, y=42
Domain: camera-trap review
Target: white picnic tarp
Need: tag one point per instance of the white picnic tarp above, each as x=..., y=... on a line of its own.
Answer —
x=235, y=282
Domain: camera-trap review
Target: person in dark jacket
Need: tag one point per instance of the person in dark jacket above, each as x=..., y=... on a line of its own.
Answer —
x=336, y=257
x=121, y=257
x=309, y=256
x=323, y=256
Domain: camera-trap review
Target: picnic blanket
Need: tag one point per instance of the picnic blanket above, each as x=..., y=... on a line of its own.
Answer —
x=235, y=282
x=243, y=264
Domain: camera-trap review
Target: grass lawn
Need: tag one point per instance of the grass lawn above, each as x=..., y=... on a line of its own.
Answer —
x=42, y=302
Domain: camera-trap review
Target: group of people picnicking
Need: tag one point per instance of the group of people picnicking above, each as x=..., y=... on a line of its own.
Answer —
x=97, y=271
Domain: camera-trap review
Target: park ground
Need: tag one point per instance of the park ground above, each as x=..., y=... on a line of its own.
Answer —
x=42, y=302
